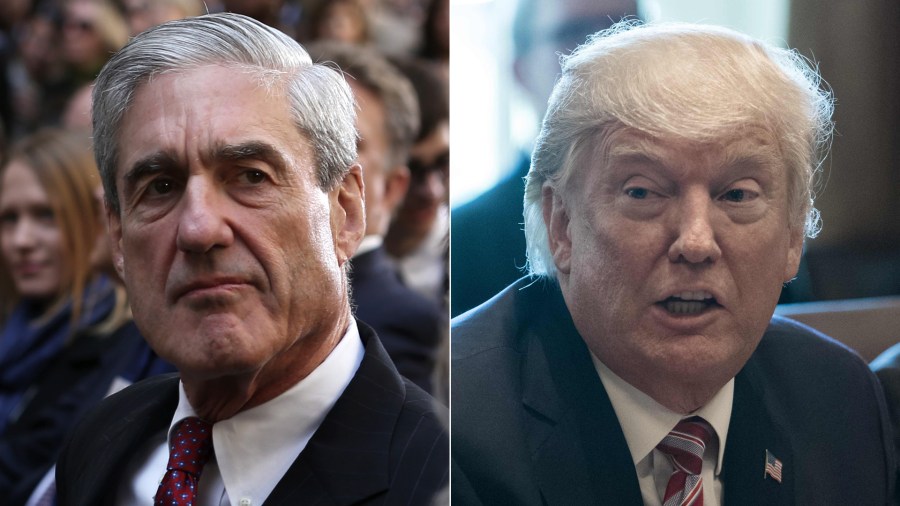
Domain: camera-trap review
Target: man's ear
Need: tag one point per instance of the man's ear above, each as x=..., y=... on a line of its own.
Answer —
x=114, y=222
x=556, y=220
x=348, y=214
x=794, y=253
x=395, y=186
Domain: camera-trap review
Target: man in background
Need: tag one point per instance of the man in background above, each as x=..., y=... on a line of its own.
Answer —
x=408, y=324
x=488, y=246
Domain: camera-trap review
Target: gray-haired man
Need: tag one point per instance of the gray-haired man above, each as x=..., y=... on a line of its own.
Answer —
x=234, y=200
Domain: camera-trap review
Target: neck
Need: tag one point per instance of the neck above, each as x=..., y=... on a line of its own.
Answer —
x=222, y=397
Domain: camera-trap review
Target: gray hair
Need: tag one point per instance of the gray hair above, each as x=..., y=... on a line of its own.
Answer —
x=687, y=81
x=322, y=104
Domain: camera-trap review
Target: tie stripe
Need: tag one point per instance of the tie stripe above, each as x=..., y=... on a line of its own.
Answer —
x=685, y=445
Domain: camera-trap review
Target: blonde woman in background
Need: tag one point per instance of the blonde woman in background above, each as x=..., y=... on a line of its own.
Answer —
x=66, y=336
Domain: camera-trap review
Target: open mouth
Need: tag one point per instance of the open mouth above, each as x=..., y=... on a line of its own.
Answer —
x=689, y=303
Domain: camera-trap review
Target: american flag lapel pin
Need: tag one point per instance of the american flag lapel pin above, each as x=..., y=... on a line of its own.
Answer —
x=774, y=467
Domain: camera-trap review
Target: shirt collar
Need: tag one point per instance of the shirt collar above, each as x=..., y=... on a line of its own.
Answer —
x=648, y=421
x=261, y=442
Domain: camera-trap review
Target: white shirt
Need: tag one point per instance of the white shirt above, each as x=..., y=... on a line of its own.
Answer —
x=254, y=448
x=645, y=423
x=424, y=269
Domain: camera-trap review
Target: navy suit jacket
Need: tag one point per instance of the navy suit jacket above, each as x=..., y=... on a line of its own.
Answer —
x=532, y=423
x=381, y=443
x=409, y=325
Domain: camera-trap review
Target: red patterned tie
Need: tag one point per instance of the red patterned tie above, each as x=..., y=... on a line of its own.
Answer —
x=190, y=449
x=685, y=445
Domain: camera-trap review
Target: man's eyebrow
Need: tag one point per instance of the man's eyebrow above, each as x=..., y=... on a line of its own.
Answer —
x=153, y=163
x=251, y=150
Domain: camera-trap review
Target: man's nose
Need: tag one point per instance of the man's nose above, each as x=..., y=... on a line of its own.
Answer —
x=431, y=187
x=695, y=232
x=203, y=223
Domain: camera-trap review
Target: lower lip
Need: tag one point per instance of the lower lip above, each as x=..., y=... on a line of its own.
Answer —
x=26, y=270
x=685, y=322
x=212, y=291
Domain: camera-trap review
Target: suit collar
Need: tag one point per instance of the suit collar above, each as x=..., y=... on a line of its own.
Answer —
x=347, y=458
x=573, y=433
x=563, y=416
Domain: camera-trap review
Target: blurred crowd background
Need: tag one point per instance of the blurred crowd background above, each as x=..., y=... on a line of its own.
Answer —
x=50, y=50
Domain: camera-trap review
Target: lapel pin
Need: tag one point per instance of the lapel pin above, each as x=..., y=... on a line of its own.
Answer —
x=773, y=467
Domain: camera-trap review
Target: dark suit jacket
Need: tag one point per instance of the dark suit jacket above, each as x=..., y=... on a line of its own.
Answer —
x=408, y=324
x=886, y=367
x=74, y=382
x=381, y=443
x=532, y=423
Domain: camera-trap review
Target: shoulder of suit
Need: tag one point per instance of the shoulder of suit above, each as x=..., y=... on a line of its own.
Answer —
x=502, y=322
x=795, y=341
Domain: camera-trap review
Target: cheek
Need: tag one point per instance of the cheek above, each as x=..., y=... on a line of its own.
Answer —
x=759, y=257
x=619, y=252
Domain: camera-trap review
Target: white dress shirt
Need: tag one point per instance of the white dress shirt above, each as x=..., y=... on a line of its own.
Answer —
x=645, y=423
x=424, y=268
x=254, y=448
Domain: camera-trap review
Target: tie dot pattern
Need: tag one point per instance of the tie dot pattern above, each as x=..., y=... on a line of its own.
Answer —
x=189, y=451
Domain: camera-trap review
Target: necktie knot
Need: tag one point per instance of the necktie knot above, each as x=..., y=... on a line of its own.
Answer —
x=685, y=445
x=191, y=446
x=189, y=451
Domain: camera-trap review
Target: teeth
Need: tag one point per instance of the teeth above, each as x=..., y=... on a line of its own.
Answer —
x=685, y=307
x=699, y=295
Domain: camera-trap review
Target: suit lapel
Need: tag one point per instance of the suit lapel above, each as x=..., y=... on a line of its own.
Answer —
x=753, y=430
x=346, y=460
x=579, y=451
x=148, y=414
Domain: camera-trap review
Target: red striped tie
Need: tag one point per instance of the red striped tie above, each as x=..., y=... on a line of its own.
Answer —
x=685, y=445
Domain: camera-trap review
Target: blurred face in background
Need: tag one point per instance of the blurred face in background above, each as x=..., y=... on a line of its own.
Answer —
x=383, y=192
x=429, y=167
x=30, y=238
x=557, y=27
x=83, y=47
x=144, y=14
x=343, y=21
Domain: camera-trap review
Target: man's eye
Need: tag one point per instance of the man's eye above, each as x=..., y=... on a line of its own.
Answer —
x=737, y=195
x=9, y=218
x=637, y=193
x=161, y=186
x=254, y=176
